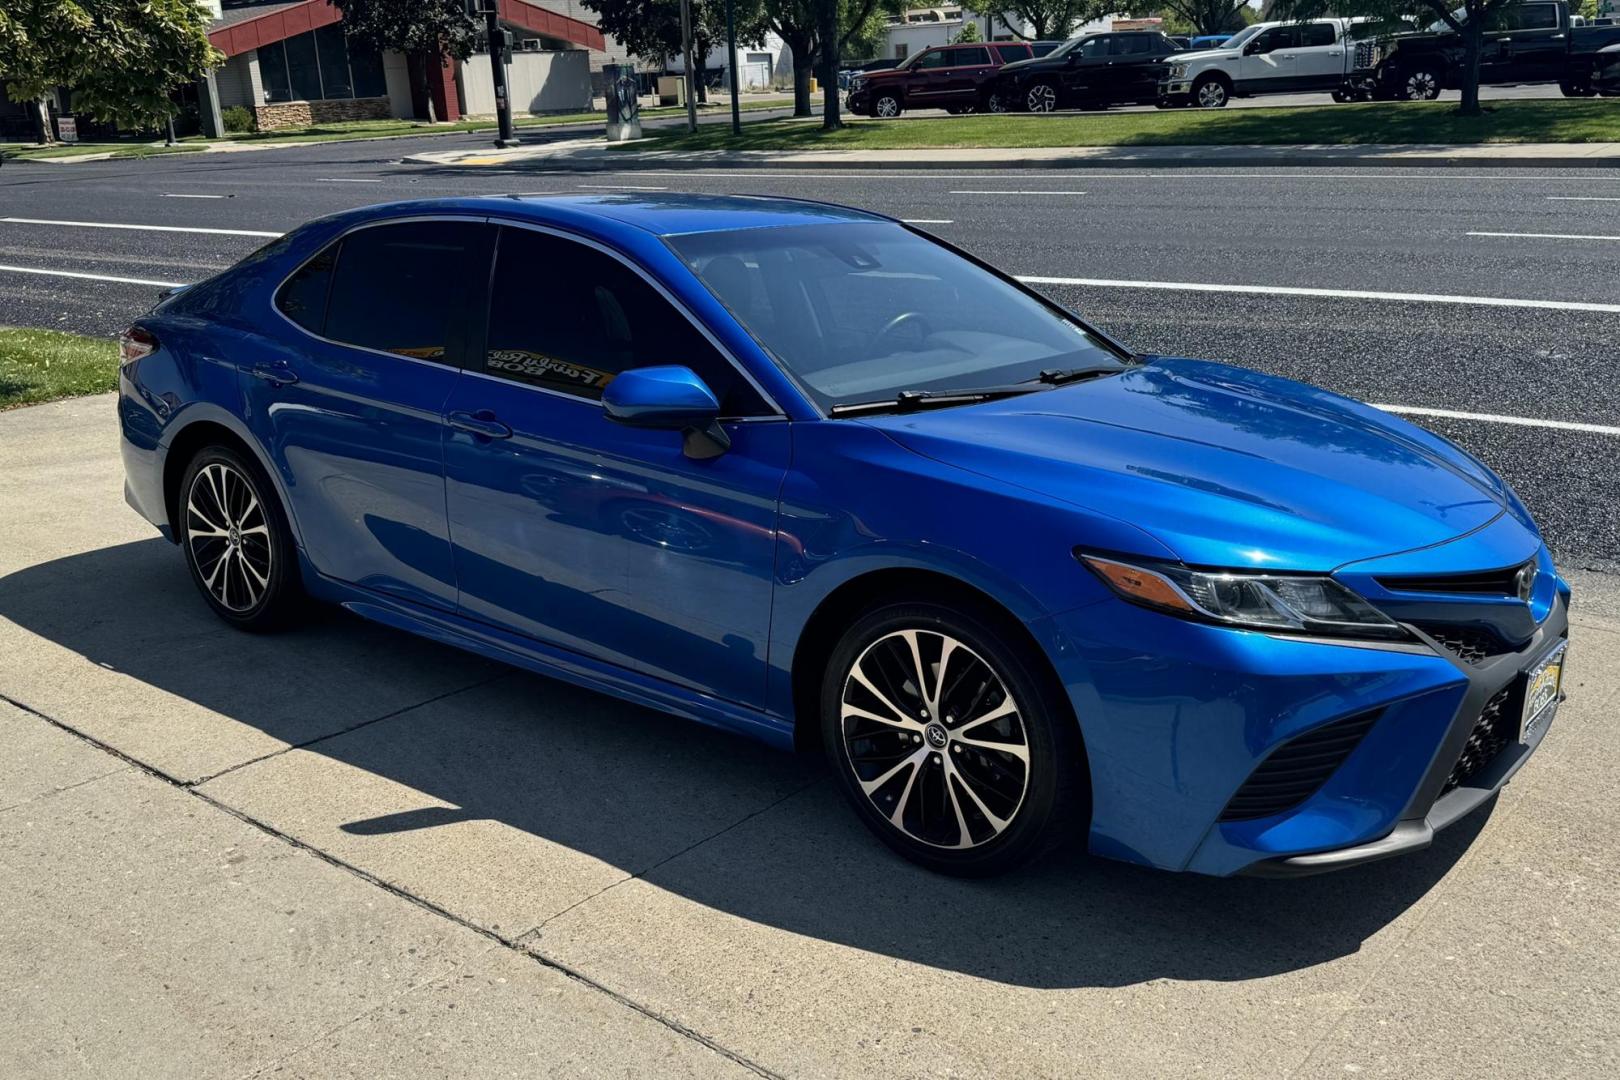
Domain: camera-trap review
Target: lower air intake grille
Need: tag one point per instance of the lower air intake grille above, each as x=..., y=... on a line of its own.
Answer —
x=1496, y=727
x=1296, y=770
x=1468, y=645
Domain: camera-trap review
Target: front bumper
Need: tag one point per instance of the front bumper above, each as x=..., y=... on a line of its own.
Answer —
x=859, y=101
x=1177, y=716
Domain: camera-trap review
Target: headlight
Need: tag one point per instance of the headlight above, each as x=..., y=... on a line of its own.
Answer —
x=857, y=82
x=1178, y=71
x=1310, y=604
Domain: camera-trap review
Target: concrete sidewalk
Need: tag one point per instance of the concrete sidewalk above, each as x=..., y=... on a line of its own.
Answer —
x=344, y=851
x=594, y=154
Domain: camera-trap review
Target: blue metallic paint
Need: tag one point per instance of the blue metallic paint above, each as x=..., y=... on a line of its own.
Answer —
x=599, y=553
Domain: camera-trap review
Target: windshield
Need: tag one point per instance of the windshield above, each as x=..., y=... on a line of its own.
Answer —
x=1241, y=38
x=859, y=312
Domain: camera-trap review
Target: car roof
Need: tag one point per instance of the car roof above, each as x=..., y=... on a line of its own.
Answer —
x=658, y=213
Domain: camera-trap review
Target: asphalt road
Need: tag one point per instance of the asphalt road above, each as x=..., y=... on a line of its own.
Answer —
x=1545, y=358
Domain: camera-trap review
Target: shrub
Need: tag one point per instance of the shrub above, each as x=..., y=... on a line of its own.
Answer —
x=238, y=119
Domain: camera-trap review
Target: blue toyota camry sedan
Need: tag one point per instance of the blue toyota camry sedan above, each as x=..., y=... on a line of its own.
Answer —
x=807, y=474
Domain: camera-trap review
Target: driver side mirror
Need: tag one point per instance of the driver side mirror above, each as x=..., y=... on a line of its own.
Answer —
x=670, y=397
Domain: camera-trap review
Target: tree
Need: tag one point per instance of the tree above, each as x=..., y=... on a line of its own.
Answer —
x=652, y=28
x=1209, y=16
x=798, y=24
x=969, y=34
x=426, y=31
x=122, y=58
x=1048, y=20
x=1469, y=18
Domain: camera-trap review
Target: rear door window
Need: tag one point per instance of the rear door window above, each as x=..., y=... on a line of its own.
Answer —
x=402, y=288
x=977, y=56
x=1316, y=35
x=302, y=297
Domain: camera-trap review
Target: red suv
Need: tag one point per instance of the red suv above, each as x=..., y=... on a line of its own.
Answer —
x=956, y=78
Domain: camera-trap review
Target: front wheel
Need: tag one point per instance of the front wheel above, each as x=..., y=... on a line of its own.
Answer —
x=1421, y=84
x=236, y=541
x=1211, y=92
x=886, y=107
x=1041, y=98
x=948, y=741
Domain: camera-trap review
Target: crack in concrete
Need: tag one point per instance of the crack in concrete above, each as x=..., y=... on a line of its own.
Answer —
x=512, y=943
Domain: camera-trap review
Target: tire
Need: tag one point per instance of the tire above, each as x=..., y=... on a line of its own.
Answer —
x=1420, y=84
x=1576, y=89
x=236, y=541
x=1041, y=97
x=1211, y=92
x=996, y=102
x=1343, y=96
x=936, y=790
x=887, y=106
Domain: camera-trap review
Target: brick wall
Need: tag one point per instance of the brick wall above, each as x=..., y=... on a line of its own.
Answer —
x=292, y=114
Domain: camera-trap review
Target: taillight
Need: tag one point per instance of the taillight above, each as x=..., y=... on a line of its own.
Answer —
x=135, y=343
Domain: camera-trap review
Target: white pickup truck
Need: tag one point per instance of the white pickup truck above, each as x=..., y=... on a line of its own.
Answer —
x=1266, y=58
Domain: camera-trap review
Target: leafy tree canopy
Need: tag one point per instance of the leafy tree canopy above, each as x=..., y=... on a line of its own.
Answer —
x=410, y=26
x=1048, y=20
x=122, y=58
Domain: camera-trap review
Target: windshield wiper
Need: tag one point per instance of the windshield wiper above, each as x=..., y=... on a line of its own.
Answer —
x=912, y=400
x=1059, y=376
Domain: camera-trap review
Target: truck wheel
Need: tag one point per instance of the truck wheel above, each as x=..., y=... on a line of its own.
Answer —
x=1576, y=89
x=1212, y=92
x=887, y=106
x=1421, y=84
x=1042, y=97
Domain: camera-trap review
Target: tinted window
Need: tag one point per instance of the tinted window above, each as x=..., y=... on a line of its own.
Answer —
x=859, y=312
x=273, y=72
x=1533, y=17
x=1132, y=45
x=397, y=287
x=367, y=67
x=970, y=57
x=303, y=67
x=1041, y=48
x=334, y=62
x=936, y=59
x=1094, y=47
x=568, y=317
x=1278, y=37
x=1012, y=53
x=303, y=298
x=1314, y=35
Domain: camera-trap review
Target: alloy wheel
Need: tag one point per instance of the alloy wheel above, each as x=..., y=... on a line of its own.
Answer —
x=1041, y=98
x=1212, y=94
x=1422, y=86
x=995, y=103
x=229, y=537
x=935, y=739
x=888, y=108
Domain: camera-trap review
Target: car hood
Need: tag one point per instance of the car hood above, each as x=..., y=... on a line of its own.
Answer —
x=1037, y=63
x=1224, y=466
x=1202, y=54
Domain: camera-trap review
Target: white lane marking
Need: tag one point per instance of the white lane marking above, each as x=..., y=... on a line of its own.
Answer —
x=1493, y=418
x=180, y=195
x=346, y=180
x=1348, y=294
x=92, y=277
x=1546, y=235
x=1583, y=198
x=928, y=221
x=1005, y=191
x=139, y=228
x=625, y=187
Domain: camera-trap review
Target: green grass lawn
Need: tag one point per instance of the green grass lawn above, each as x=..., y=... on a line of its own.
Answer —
x=117, y=150
x=1553, y=121
x=43, y=365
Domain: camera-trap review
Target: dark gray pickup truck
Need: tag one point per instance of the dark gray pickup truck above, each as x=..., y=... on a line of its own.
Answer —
x=1532, y=43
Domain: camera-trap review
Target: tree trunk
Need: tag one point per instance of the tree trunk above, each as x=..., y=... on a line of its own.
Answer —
x=827, y=32
x=42, y=119
x=1473, y=40
x=803, y=55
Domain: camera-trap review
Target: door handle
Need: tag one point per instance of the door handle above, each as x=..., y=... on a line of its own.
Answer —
x=481, y=423
x=274, y=374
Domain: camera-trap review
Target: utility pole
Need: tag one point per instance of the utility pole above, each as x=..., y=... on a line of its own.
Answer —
x=731, y=64
x=691, y=83
x=497, y=70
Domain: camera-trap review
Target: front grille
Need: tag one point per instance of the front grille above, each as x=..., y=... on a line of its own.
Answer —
x=1503, y=582
x=1494, y=730
x=1367, y=54
x=1467, y=644
x=1297, y=770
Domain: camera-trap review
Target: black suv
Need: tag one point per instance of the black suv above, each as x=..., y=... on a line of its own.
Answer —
x=1089, y=72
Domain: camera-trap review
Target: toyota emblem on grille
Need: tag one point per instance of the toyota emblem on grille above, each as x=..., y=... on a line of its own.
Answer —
x=1525, y=581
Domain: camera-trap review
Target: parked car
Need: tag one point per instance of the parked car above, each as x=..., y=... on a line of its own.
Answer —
x=847, y=75
x=1210, y=41
x=1606, y=71
x=1532, y=43
x=809, y=475
x=1180, y=41
x=1265, y=58
x=949, y=77
x=1092, y=71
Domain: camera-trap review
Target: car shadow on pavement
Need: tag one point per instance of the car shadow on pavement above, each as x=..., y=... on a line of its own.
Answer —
x=630, y=787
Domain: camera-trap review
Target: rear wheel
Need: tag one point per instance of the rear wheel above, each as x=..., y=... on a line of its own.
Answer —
x=996, y=102
x=887, y=106
x=236, y=541
x=948, y=742
x=1042, y=97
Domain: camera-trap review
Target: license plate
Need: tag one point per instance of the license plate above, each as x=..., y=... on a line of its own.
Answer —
x=1541, y=694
